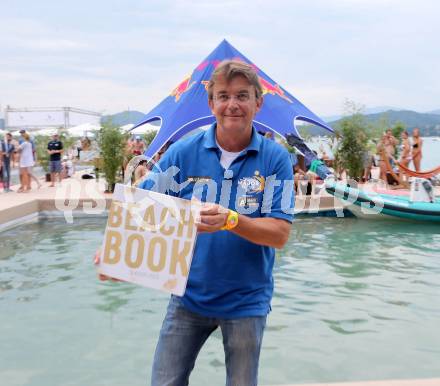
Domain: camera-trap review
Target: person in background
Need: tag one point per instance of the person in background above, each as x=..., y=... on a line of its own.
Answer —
x=386, y=150
x=140, y=172
x=300, y=176
x=390, y=143
x=382, y=153
x=55, y=149
x=138, y=146
x=22, y=132
x=67, y=168
x=16, y=157
x=78, y=148
x=129, y=145
x=7, y=151
x=367, y=163
x=144, y=166
x=268, y=135
x=26, y=162
x=30, y=171
x=405, y=150
x=417, y=149
x=85, y=143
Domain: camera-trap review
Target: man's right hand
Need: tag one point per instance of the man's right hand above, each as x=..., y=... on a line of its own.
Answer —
x=96, y=261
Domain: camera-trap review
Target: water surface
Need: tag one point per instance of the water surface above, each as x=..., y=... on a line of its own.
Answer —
x=354, y=300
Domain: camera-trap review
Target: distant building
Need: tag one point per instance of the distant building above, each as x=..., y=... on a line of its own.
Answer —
x=48, y=117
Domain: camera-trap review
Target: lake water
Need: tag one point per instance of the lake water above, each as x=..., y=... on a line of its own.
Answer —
x=354, y=300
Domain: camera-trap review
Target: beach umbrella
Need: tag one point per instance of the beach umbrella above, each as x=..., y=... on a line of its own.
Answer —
x=46, y=132
x=186, y=107
x=83, y=130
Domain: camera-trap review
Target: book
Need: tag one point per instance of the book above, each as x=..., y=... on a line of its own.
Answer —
x=149, y=239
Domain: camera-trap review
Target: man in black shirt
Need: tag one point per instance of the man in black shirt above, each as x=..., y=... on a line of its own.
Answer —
x=55, y=148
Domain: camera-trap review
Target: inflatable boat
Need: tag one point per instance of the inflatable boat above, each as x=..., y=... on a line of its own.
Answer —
x=374, y=205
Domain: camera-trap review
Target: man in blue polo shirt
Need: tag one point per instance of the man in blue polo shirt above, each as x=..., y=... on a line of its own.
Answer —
x=247, y=179
x=246, y=183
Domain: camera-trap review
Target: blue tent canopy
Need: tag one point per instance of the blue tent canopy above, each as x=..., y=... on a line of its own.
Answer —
x=186, y=108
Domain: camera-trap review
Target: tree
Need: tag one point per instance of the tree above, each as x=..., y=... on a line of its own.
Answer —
x=398, y=129
x=377, y=128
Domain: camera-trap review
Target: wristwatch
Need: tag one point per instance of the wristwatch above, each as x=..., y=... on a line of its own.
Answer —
x=231, y=221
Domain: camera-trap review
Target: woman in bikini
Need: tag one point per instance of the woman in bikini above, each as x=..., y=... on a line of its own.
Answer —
x=382, y=152
x=417, y=149
x=405, y=150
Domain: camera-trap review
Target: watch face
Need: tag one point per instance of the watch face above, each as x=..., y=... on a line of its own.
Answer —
x=232, y=219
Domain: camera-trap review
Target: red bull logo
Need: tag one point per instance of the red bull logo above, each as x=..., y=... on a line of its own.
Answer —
x=182, y=88
x=271, y=89
x=205, y=84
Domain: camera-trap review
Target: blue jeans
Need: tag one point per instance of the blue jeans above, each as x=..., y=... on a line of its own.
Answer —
x=6, y=172
x=183, y=334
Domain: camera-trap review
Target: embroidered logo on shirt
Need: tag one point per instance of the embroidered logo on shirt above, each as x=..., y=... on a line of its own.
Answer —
x=254, y=184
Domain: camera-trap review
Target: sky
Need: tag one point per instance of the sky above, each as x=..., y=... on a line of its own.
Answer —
x=109, y=56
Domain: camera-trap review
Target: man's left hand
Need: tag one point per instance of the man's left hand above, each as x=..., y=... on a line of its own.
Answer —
x=212, y=218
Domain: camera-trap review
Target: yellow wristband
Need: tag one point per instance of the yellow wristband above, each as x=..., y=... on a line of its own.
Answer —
x=231, y=221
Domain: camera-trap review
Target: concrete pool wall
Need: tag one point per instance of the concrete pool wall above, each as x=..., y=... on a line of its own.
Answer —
x=78, y=197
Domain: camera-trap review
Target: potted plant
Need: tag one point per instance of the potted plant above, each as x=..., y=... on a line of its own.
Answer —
x=352, y=143
x=111, y=144
x=42, y=155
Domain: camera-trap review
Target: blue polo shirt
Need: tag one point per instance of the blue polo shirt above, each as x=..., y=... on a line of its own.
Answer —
x=230, y=277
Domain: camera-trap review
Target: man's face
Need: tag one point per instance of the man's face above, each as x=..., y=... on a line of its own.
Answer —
x=234, y=104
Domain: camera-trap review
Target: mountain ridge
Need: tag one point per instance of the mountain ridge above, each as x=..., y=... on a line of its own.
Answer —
x=428, y=123
x=123, y=118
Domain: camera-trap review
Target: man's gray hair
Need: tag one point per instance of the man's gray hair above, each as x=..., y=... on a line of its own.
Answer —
x=229, y=69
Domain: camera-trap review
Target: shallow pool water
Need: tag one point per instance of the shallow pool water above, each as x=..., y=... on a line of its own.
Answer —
x=354, y=300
